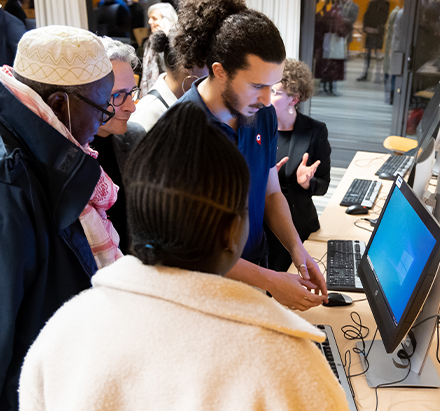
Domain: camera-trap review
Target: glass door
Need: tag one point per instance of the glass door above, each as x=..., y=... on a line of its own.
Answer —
x=351, y=92
x=383, y=85
x=416, y=64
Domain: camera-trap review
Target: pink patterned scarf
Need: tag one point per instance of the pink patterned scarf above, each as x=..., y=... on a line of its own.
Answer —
x=101, y=235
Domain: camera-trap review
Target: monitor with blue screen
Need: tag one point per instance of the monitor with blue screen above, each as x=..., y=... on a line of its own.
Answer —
x=398, y=271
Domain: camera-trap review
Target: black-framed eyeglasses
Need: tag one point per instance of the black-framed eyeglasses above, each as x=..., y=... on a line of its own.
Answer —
x=118, y=99
x=106, y=115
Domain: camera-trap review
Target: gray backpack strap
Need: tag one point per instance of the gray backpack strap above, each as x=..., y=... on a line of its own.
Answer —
x=154, y=92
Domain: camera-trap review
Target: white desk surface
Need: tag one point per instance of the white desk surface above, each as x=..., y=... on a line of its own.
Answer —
x=335, y=223
x=391, y=399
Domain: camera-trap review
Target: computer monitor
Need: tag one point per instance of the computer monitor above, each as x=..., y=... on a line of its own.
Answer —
x=398, y=271
x=422, y=172
x=427, y=146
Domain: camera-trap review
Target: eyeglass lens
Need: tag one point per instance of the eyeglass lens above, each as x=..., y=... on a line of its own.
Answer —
x=119, y=98
x=106, y=117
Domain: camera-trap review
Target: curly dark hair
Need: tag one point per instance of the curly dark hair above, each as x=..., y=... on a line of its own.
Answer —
x=185, y=182
x=161, y=43
x=225, y=31
x=297, y=80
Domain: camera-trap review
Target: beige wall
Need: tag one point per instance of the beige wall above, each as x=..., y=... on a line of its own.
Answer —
x=64, y=12
x=286, y=15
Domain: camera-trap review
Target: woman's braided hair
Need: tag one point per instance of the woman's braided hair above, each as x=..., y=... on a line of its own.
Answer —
x=185, y=181
x=225, y=31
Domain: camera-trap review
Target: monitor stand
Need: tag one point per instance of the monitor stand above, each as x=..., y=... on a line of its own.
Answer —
x=383, y=370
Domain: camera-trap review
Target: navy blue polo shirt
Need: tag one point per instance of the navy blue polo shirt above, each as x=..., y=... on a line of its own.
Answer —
x=257, y=142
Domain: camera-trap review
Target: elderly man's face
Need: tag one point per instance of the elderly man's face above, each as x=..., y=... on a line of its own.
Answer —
x=124, y=83
x=85, y=119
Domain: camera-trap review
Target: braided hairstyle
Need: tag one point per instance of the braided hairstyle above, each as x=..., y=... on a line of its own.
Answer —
x=185, y=182
x=225, y=31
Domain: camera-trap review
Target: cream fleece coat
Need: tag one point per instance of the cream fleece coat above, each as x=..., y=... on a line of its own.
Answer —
x=160, y=338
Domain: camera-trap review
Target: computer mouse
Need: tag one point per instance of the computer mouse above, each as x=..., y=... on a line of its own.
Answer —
x=356, y=209
x=387, y=176
x=337, y=300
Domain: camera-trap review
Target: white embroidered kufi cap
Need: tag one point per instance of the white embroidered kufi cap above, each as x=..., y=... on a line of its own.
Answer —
x=61, y=55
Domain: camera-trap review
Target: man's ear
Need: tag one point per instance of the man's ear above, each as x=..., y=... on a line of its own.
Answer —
x=58, y=102
x=219, y=72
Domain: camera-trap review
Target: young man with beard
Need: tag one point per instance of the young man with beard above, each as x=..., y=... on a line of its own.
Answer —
x=245, y=55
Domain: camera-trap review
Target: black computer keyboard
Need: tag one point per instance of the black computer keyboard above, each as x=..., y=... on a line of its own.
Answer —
x=396, y=164
x=331, y=352
x=343, y=258
x=363, y=192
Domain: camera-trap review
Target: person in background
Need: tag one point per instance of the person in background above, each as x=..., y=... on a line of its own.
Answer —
x=162, y=16
x=15, y=8
x=54, y=232
x=397, y=45
x=11, y=31
x=389, y=34
x=145, y=6
x=164, y=329
x=350, y=12
x=115, y=139
x=169, y=87
x=113, y=19
x=245, y=54
x=304, y=142
x=136, y=19
x=374, y=26
x=120, y=2
x=330, y=69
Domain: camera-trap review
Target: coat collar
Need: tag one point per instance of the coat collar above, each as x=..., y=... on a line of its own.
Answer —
x=208, y=293
x=300, y=144
x=67, y=174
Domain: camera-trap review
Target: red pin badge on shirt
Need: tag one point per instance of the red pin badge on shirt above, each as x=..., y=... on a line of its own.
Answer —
x=258, y=139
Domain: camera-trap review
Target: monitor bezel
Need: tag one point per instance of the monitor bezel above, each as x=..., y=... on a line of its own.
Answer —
x=392, y=334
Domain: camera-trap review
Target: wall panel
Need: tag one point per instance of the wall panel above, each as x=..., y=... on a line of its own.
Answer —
x=286, y=16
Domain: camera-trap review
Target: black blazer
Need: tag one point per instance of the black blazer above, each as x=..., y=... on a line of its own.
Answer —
x=309, y=136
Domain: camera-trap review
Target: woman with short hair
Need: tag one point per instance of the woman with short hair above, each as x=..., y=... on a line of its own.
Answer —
x=305, y=142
